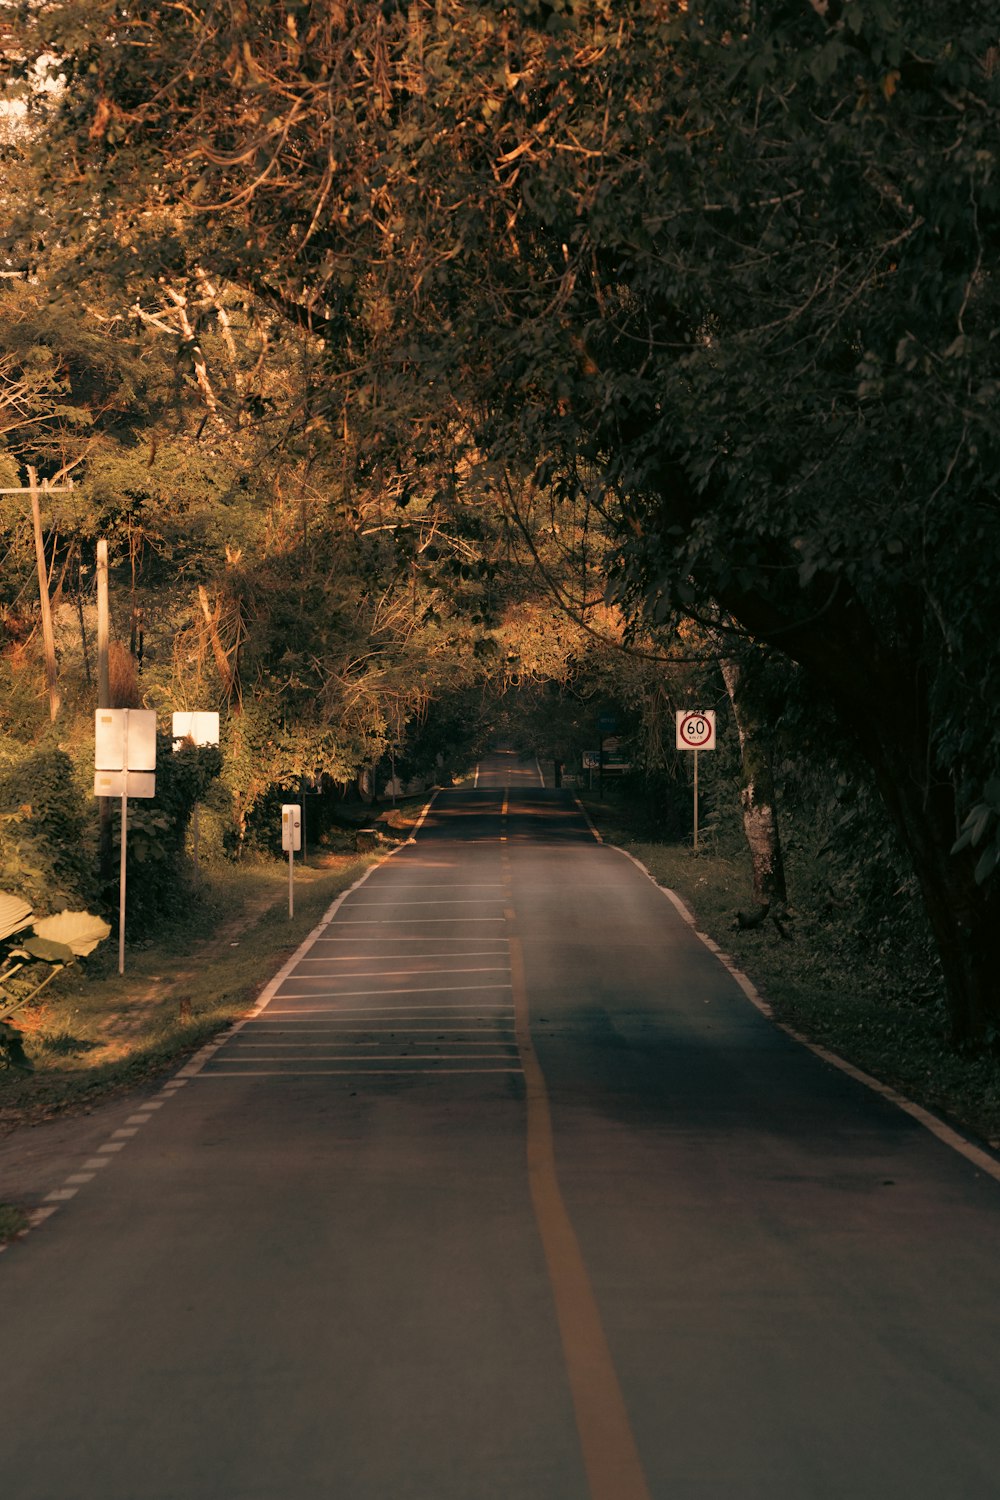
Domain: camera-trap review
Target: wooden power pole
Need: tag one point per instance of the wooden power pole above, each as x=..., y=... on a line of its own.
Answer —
x=48, y=638
x=103, y=627
x=104, y=804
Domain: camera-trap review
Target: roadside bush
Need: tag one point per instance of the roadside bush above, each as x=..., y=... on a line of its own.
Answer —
x=47, y=844
x=157, y=872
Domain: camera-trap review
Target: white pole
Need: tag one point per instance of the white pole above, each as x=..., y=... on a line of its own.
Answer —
x=696, y=801
x=121, y=866
x=291, y=895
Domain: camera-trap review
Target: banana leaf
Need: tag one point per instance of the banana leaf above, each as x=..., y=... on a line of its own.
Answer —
x=79, y=931
x=45, y=948
x=14, y=914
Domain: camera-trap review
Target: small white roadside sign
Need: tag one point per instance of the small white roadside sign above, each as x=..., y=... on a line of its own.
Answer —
x=124, y=766
x=291, y=839
x=200, y=727
x=695, y=731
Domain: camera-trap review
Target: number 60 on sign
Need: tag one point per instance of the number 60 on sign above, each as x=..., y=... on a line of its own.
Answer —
x=695, y=729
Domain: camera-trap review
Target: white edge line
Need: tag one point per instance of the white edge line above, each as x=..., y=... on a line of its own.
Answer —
x=361, y=1072
x=193, y=1067
x=600, y=840
x=947, y=1134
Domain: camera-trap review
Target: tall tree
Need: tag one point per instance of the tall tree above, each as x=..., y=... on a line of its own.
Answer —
x=731, y=271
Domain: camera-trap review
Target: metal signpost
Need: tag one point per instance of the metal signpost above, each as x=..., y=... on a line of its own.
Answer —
x=695, y=730
x=202, y=729
x=291, y=839
x=606, y=724
x=590, y=762
x=124, y=762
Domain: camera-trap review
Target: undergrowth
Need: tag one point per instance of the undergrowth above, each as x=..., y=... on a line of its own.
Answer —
x=99, y=1032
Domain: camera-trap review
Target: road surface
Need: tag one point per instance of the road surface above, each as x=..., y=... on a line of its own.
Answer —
x=508, y=1194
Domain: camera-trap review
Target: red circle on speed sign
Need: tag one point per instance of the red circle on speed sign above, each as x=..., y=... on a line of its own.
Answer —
x=695, y=730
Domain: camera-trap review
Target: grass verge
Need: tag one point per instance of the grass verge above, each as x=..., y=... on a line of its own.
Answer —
x=12, y=1222
x=831, y=996
x=97, y=1033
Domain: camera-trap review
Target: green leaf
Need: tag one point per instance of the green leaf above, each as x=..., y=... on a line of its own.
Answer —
x=45, y=948
x=78, y=931
x=14, y=914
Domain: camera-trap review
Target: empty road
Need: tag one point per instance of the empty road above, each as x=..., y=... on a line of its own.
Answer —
x=508, y=1193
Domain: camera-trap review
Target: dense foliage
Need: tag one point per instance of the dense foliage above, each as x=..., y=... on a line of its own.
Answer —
x=726, y=275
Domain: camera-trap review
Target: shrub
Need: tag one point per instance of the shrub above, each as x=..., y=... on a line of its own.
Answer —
x=47, y=847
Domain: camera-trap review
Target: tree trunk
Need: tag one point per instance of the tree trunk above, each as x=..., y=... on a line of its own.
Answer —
x=757, y=793
x=878, y=687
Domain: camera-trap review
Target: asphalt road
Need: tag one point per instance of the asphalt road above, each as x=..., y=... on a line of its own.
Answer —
x=508, y=1194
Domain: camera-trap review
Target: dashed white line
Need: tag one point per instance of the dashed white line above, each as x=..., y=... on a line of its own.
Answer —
x=402, y=973
x=359, y=1072
x=228, y=1062
x=433, y=989
x=424, y=921
x=443, y=901
x=398, y=958
x=392, y=1028
x=373, y=1010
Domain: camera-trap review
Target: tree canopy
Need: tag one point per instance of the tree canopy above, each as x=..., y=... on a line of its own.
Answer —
x=727, y=274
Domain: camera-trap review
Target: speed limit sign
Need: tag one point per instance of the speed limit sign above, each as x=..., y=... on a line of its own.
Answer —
x=695, y=729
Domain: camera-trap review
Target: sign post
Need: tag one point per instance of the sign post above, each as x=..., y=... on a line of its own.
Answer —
x=695, y=730
x=606, y=724
x=124, y=762
x=291, y=839
x=202, y=729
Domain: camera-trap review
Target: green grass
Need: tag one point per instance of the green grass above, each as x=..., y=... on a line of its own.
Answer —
x=821, y=982
x=12, y=1222
x=96, y=1033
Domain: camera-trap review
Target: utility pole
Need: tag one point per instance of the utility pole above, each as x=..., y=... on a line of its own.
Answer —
x=103, y=627
x=104, y=700
x=48, y=639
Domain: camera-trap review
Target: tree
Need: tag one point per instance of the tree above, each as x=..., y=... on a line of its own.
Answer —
x=732, y=274
x=758, y=798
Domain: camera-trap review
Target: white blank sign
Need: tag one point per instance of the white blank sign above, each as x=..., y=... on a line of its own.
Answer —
x=201, y=727
x=124, y=784
x=113, y=728
x=291, y=826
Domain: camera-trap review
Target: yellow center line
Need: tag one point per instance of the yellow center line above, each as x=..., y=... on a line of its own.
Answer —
x=503, y=819
x=611, y=1459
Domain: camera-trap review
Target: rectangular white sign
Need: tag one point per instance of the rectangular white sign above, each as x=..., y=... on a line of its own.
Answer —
x=124, y=783
x=695, y=729
x=114, y=728
x=291, y=826
x=201, y=727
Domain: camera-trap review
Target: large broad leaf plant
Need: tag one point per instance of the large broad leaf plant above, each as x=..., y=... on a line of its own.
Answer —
x=30, y=963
